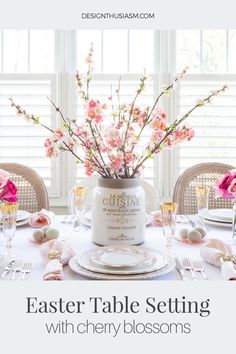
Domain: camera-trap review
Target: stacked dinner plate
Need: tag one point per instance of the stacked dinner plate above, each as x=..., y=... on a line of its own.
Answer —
x=22, y=217
x=121, y=263
x=219, y=217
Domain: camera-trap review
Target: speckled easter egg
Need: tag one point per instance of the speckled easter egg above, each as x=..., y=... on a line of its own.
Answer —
x=194, y=235
x=183, y=233
x=39, y=235
x=52, y=233
x=201, y=230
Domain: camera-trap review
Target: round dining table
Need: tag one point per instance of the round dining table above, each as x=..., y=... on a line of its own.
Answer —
x=81, y=241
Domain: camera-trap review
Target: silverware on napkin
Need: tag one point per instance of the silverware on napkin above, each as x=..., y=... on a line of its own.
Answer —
x=180, y=269
x=8, y=268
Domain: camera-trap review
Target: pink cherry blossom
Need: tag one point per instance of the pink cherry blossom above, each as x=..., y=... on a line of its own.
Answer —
x=52, y=151
x=117, y=161
x=58, y=134
x=88, y=168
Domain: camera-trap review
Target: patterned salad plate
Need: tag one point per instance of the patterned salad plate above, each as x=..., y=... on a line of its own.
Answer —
x=121, y=263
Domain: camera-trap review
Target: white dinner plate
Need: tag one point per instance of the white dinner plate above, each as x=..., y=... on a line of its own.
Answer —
x=218, y=223
x=21, y=215
x=73, y=264
x=22, y=222
x=155, y=262
x=220, y=215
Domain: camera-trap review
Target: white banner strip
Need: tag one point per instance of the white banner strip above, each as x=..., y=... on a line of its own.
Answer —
x=72, y=14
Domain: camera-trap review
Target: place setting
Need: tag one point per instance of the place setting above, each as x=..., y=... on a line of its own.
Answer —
x=121, y=263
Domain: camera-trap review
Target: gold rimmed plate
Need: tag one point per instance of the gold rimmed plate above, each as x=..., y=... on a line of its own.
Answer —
x=73, y=264
x=155, y=261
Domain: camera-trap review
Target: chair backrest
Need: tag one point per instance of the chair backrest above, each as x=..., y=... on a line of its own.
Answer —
x=204, y=174
x=32, y=193
x=150, y=192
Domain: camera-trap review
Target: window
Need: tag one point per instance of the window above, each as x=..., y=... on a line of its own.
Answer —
x=27, y=67
x=35, y=64
x=211, y=57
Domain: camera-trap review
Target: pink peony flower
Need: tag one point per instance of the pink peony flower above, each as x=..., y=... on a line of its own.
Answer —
x=226, y=185
x=4, y=176
x=8, y=192
x=232, y=186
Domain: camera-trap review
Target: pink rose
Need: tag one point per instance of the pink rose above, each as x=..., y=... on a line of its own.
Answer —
x=226, y=185
x=8, y=192
x=4, y=176
x=232, y=186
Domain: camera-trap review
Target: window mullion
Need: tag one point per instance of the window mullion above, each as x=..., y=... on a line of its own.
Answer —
x=167, y=69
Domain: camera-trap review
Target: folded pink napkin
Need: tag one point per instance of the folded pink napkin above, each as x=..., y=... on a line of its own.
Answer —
x=219, y=254
x=157, y=218
x=40, y=219
x=56, y=253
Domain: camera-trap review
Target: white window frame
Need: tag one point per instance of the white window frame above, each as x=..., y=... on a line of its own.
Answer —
x=64, y=94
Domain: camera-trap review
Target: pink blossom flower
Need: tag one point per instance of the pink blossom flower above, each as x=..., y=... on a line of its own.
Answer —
x=158, y=123
x=51, y=151
x=184, y=133
x=161, y=114
x=58, y=134
x=117, y=161
x=47, y=143
x=88, y=168
x=4, y=176
x=92, y=103
x=113, y=137
x=156, y=137
x=129, y=158
x=98, y=118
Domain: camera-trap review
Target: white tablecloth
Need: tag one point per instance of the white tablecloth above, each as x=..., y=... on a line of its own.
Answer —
x=81, y=241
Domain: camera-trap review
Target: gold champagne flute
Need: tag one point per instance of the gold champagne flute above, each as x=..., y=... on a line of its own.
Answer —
x=80, y=199
x=202, y=193
x=9, y=216
x=169, y=211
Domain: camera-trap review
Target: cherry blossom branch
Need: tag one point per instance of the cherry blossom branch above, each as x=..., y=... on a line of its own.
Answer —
x=173, y=127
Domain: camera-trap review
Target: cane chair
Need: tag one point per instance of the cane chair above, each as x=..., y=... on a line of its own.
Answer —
x=32, y=193
x=204, y=174
x=150, y=193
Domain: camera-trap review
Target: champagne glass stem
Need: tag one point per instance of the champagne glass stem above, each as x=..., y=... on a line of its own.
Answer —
x=9, y=247
x=169, y=246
